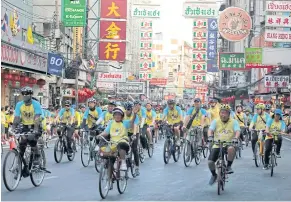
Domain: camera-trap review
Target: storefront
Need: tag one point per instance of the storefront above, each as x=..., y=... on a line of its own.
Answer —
x=22, y=65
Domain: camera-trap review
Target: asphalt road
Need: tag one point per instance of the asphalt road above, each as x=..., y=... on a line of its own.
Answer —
x=70, y=181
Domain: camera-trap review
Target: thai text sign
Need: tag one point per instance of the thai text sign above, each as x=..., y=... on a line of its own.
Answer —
x=146, y=11
x=112, y=51
x=278, y=21
x=158, y=81
x=116, y=9
x=199, y=9
x=74, y=13
x=111, y=77
x=131, y=88
x=113, y=30
x=277, y=36
x=234, y=24
x=276, y=81
x=278, y=6
x=232, y=61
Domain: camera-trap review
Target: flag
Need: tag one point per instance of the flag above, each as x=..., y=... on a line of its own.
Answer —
x=14, y=23
x=29, y=35
x=4, y=23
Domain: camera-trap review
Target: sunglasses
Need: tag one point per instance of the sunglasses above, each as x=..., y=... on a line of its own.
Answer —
x=67, y=105
x=26, y=94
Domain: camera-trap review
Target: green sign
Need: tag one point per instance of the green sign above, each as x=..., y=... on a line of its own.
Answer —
x=232, y=61
x=253, y=55
x=145, y=11
x=74, y=13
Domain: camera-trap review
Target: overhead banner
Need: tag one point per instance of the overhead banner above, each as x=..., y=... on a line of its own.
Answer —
x=272, y=81
x=234, y=24
x=200, y=9
x=74, y=13
x=232, y=61
x=131, y=88
x=146, y=11
x=278, y=6
x=277, y=35
x=278, y=21
x=55, y=64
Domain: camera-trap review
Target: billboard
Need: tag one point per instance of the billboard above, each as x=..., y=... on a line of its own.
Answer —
x=114, y=9
x=74, y=13
x=111, y=30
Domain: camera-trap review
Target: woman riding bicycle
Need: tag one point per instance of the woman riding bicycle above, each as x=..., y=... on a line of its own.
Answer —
x=275, y=126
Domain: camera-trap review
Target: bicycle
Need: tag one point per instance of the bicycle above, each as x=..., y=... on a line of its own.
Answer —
x=170, y=146
x=246, y=136
x=192, y=150
x=130, y=158
x=88, y=145
x=109, y=172
x=27, y=161
x=61, y=146
x=259, y=148
x=273, y=157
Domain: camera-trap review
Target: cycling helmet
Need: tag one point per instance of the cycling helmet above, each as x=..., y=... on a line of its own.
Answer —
x=225, y=107
x=204, y=106
x=178, y=105
x=171, y=102
x=82, y=106
x=260, y=106
x=137, y=102
x=26, y=90
x=91, y=100
x=213, y=100
x=238, y=105
x=128, y=106
x=268, y=106
x=148, y=103
x=278, y=112
x=118, y=110
x=67, y=102
x=112, y=103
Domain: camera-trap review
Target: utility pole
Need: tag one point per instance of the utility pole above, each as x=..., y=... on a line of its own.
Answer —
x=57, y=30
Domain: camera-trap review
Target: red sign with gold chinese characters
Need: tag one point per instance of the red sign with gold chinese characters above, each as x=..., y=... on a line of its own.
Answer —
x=113, y=30
x=112, y=51
x=114, y=9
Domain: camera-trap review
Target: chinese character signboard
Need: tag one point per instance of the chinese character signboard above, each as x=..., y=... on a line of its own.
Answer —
x=254, y=58
x=211, y=45
x=114, y=9
x=131, y=88
x=199, y=67
x=232, y=61
x=146, y=11
x=234, y=24
x=212, y=66
x=112, y=51
x=198, y=77
x=277, y=36
x=74, y=13
x=278, y=6
x=200, y=9
x=113, y=30
x=69, y=92
x=145, y=75
x=278, y=21
x=276, y=81
x=199, y=24
x=158, y=81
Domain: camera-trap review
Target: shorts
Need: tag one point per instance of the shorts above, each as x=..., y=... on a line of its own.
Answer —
x=214, y=154
x=6, y=130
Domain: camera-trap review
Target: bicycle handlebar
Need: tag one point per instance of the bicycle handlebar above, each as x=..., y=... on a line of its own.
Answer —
x=111, y=142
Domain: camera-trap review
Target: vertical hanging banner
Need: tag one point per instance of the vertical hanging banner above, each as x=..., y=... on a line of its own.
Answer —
x=112, y=45
x=145, y=56
x=212, y=45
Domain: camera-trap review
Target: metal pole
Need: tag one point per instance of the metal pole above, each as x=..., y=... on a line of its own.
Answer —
x=76, y=87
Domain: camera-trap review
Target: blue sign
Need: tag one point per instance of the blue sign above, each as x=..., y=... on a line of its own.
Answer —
x=212, y=45
x=55, y=64
x=212, y=24
x=212, y=66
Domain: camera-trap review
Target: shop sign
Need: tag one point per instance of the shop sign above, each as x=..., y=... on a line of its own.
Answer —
x=146, y=45
x=145, y=55
x=112, y=51
x=114, y=9
x=199, y=46
x=199, y=56
x=234, y=24
x=199, y=67
x=278, y=21
x=198, y=77
x=146, y=11
x=212, y=65
x=232, y=61
x=212, y=24
x=199, y=34
x=131, y=88
x=277, y=36
x=69, y=92
x=22, y=58
x=278, y=6
x=200, y=9
x=55, y=64
x=144, y=76
x=145, y=25
x=145, y=65
x=212, y=45
x=276, y=81
x=113, y=30
x=158, y=81
x=146, y=35
x=74, y=13
x=254, y=58
x=199, y=23
x=105, y=85
x=111, y=77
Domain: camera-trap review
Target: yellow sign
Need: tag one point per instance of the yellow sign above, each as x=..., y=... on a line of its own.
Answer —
x=112, y=31
x=113, y=10
x=112, y=48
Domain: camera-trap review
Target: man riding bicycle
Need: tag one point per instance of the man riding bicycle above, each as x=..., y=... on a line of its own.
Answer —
x=225, y=129
x=28, y=112
x=107, y=116
x=149, y=122
x=242, y=120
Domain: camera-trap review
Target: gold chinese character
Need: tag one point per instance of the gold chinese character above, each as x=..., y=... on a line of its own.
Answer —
x=113, y=10
x=112, y=31
x=112, y=48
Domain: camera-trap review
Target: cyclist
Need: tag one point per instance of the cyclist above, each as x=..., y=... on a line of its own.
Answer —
x=242, y=120
x=268, y=109
x=91, y=115
x=131, y=131
x=249, y=116
x=107, y=116
x=159, y=118
x=214, y=109
x=82, y=111
x=141, y=112
x=28, y=112
x=117, y=130
x=224, y=128
x=149, y=122
x=275, y=126
x=67, y=118
x=174, y=116
x=206, y=123
x=258, y=122
x=77, y=123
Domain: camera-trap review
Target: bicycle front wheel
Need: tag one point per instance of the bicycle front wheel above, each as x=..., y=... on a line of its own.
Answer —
x=167, y=152
x=257, y=155
x=12, y=171
x=205, y=150
x=141, y=154
x=58, y=151
x=85, y=153
x=37, y=173
x=150, y=150
x=73, y=146
x=122, y=182
x=220, y=182
x=273, y=159
x=187, y=154
x=97, y=162
x=104, y=182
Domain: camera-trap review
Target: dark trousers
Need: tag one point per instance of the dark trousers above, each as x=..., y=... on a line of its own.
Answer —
x=69, y=136
x=254, y=140
x=268, y=148
x=134, y=149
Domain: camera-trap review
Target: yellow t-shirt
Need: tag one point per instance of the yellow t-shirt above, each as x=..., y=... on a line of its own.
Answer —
x=92, y=116
x=159, y=116
x=241, y=119
x=66, y=118
x=224, y=131
x=260, y=124
x=149, y=118
x=274, y=129
x=130, y=130
x=197, y=120
x=108, y=118
x=3, y=118
x=27, y=114
x=214, y=112
x=173, y=116
x=77, y=118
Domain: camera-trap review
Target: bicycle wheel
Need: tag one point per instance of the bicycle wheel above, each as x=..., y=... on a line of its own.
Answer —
x=205, y=150
x=197, y=156
x=167, y=152
x=122, y=182
x=219, y=181
x=73, y=145
x=239, y=151
x=150, y=150
x=98, y=162
x=273, y=157
x=176, y=152
x=141, y=154
x=85, y=154
x=257, y=155
x=187, y=154
x=37, y=174
x=15, y=169
x=104, y=186
x=131, y=164
x=59, y=148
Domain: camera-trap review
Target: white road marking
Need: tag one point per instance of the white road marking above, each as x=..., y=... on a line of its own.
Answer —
x=51, y=177
x=286, y=138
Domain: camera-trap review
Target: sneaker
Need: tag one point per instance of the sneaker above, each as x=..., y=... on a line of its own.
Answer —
x=229, y=170
x=266, y=167
x=123, y=166
x=178, y=143
x=278, y=155
x=70, y=154
x=137, y=171
x=25, y=172
x=212, y=179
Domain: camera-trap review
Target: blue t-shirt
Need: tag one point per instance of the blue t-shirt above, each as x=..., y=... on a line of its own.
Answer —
x=126, y=124
x=61, y=112
x=36, y=106
x=235, y=125
x=97, y=109
x=143, y=112
x=190, y=111
x=166, y=111
x=270, y=121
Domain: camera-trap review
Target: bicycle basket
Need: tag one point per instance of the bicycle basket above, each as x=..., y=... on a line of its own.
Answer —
x=107, y=152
